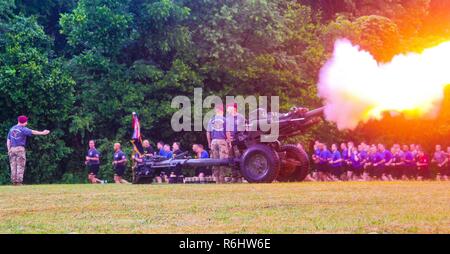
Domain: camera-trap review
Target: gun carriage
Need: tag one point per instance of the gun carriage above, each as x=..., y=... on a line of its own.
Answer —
x=260, y=162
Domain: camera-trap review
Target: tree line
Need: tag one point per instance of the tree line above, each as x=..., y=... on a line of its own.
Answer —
x=81, y=67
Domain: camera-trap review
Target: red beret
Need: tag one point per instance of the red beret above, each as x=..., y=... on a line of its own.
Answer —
x=233, y=105
x=22, y=119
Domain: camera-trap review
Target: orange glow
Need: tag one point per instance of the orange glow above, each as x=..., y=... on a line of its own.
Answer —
x=357, y=88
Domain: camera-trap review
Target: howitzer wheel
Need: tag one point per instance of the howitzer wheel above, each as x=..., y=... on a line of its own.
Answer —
x=295, y=164
x=260, y=164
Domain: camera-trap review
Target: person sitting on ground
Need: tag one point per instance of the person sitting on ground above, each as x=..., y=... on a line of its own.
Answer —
x=176, y=149
x=167, y=152
x=160, y=146
x=148, y=152
x=164, y=175
x=201, y=153
x=148, y=149
x=175, y=172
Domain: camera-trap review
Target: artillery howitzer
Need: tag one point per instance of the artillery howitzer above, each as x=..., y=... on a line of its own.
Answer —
x=260, y=162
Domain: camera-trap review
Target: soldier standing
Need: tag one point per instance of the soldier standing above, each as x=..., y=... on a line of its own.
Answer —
x=218, y=141
x=16, y=142
x=235, y=122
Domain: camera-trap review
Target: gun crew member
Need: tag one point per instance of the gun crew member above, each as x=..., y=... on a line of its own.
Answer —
x=218, y=141
x=235, y=123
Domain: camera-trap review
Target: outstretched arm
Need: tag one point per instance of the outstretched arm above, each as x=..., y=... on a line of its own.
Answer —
x=40, y=133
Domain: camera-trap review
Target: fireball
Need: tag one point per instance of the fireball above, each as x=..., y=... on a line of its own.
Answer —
x=356, y=88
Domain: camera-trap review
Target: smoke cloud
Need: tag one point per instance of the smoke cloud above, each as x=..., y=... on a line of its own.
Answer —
x=356, y=88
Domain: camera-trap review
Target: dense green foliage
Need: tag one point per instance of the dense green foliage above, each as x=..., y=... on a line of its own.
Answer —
x=81, y=67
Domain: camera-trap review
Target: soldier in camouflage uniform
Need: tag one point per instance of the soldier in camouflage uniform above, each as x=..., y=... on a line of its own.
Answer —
x=219, y=142
x=16, y=142
x=235, y=122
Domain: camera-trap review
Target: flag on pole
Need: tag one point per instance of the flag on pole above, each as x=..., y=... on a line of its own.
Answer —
x=136, y=139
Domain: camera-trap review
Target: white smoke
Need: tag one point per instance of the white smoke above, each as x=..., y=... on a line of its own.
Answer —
x=356, y=88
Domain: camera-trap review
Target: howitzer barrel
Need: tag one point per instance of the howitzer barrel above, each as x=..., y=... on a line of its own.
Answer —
x=315, y=112
x=190, y=163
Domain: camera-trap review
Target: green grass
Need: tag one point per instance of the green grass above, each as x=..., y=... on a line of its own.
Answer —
x=344, y=207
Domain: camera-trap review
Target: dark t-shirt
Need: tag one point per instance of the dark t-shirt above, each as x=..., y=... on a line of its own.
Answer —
x=148, y=150
x=345, y=155
x=118, y=156
x=18, y=135
x=177, y=152
x=363, y=155
x=379, y=156
x=439, y=156
x=409, y=159
x=93, y=153
x=324, y=156
x=397, y=158
x=355, y=159
x=336, y=155
x=372, y=157
x=387, y=156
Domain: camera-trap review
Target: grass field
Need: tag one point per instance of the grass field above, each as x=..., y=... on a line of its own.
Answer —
x=344, y=207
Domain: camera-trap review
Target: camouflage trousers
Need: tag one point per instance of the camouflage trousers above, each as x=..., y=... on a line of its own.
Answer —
x=17, y=159
x=235, y=171
x=219, y=150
